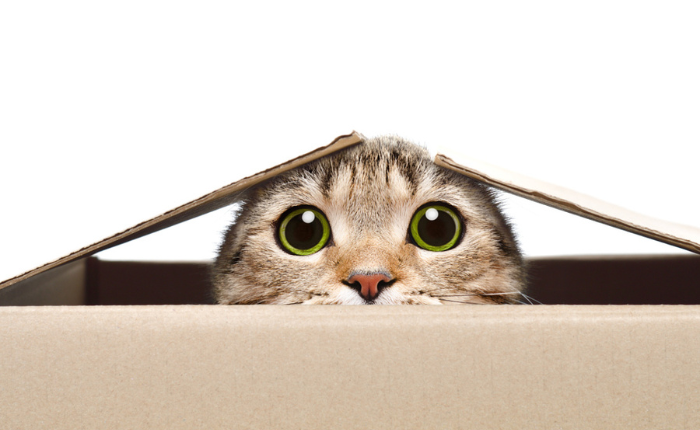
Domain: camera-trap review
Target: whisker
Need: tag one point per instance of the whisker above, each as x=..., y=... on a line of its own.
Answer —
x=501, y=294
x=528, y=298
x=461, y=302
x=455, y=295
x=478, y=294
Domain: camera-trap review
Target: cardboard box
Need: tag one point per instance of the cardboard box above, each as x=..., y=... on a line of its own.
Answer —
x=508, y=367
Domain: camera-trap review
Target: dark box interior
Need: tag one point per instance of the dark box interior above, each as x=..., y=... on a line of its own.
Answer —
x=658, y=279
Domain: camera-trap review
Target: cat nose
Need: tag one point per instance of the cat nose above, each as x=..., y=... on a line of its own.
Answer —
x=369, y=285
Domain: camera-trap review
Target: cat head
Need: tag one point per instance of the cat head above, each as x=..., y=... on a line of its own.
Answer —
x=378, y=223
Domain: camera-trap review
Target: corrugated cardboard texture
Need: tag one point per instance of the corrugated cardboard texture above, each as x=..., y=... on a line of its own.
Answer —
x=683, y=236
x=205, y=204
x=236, y=367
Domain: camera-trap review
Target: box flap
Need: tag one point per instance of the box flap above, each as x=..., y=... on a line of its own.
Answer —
x=205, y=204
x=679, y=235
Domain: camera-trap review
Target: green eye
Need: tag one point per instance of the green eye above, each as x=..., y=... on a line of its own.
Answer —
x=436, y=227
x=303, y=231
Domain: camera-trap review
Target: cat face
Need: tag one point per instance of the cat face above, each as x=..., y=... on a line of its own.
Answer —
x=378, y=223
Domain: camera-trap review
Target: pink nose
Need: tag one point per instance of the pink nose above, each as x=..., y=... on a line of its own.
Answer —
x=369, y=284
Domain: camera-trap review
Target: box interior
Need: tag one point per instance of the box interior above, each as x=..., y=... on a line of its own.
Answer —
x=586, y=280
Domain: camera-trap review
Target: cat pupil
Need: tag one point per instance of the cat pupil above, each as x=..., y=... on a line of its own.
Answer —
x=438, y=231
x=303, y=234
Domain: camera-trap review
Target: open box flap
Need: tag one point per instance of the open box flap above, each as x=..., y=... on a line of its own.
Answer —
x=679, y=235
x=210, y=202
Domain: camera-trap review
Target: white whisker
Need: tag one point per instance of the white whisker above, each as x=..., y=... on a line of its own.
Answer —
x=528, y=298
x=461, y=302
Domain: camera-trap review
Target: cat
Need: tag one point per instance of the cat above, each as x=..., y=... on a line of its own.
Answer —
x=378, y=223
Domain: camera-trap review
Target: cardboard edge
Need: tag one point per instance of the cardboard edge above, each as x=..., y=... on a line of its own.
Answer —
x=682, y=236
x=203, y=205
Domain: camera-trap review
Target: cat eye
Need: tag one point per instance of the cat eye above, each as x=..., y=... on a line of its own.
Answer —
x=436, y=227
x=303, y=230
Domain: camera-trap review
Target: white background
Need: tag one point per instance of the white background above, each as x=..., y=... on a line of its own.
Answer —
x=114, y=112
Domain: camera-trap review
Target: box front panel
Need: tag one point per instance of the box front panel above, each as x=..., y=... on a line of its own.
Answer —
x=505, y=367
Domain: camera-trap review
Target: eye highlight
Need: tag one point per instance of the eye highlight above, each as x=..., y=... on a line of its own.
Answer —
x=303, y=230
x=436, y=227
